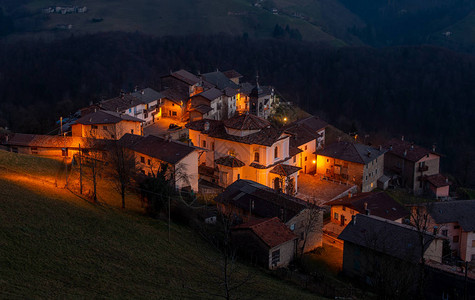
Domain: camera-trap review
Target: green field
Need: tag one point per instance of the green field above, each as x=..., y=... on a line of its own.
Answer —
x=182, y=17
x=56, y=245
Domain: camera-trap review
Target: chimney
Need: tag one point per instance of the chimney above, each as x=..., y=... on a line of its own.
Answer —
x=402, y=138
x=142, y=92
x=206, y=126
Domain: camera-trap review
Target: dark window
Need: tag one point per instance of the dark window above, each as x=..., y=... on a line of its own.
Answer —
x=344, y=208
x=142, y=159
x=104, y=127
x=149, y=162
x=305, y=147
x=444, y=232
x=212, y=146
x=456, y=239
x=256, y=156
x=132, y=131
x=275, y=257
x=204, y=144
x=94, y=126
x=174, y=113
x=276, y=152
x=335, y=216
x=64, y=151
x=305, y=158
x=239, y=176
x=456, y=226
x=34, y=150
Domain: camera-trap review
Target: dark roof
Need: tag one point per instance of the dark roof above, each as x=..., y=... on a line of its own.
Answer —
x=379, y=204
x=210, y=94
x=220, y=80
x=202, y=108
x=246, y=88
x=407, y=150
x=232, y=74
x=271, y=231
x=185, y=76
x=389, y=237
x=246, y=122
x=284, y=170
x=147, y=95
x=54, y=141
x=119, y=104
x=267, y=202
x=165, y=150
x=301, y=134
x=312, y=122
x=437, y=180
x=173, y=95
x=105, y=117
x=347, y=151
x=266, y=137
x=294, y=150
x=462, y=212
x=229, y=161
x=230, y=92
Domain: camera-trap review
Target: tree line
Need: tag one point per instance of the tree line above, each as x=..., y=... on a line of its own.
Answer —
x=425, y=93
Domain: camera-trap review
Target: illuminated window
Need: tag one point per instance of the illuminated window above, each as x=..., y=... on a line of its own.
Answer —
x=231, y=152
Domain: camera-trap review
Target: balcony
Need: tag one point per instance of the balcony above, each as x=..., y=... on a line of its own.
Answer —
x=422, y=168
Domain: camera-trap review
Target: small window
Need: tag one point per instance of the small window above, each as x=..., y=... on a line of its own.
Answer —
x=445, y=232
x=295, y=158
x=305, y=147
x=275, y=257
x=104, y=127
x=142, y=159
x=456, y=226
x=276, y=152
x=292, y=227
x=64, y=151
x=132, y=131
x=174, y=113
x=239, y=176
x=256, y=156
x=203, y=143
x=473, y=243
x=366, y=177
x=94, y=126
x=344, y=208
x=305, y=158
x=456, y=239
x=149, y=162
x=130, y=110
x=173, y=104
x=335, y=216
x=212, y=146
x=328, y=160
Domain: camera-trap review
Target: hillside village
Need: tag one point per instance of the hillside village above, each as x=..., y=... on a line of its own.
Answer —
x=281, y=184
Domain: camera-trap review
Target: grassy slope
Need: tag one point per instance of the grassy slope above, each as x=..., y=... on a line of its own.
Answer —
x=54, y=244
x=177, y=17
x=462, y=33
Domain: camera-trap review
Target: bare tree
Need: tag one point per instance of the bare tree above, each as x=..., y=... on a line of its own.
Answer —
x=94, y=161
x=312, y=223
x=122, y=162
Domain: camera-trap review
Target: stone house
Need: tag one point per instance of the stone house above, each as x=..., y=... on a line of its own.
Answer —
x=414, y=165
x=353, y=163
x=249, y=200
x=454, y=220
x=246, y=147
x=267, y=241
x=152, y=152
x=104, y=124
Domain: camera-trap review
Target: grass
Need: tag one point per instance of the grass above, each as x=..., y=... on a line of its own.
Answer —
x=179, y=17
x=54, y=244
x=404, y=197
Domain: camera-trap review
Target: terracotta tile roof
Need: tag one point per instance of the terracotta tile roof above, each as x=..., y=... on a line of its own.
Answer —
x=284, y=170
x=312, y=122
x=105, y=117
x=266, y=137
x=157, y=147
x=247, y=122
x=407, y=150
x=437, y=180
x=229, y=161
x=379, y=204
x=301, y=134
x=267, y=202
x=232, y=74
x=386, y=236
x=351, y=152
x=271, y=231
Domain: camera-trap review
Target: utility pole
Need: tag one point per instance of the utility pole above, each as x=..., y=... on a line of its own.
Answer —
x=80, y=170
x=169, y=219
x=61, y=125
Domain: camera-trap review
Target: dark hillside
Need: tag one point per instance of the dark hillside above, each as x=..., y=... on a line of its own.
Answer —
x=423, y=92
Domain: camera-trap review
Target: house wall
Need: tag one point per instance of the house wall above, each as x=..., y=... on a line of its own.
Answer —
x=400, y=166
x=371, y=173
x=353, y=172
x=107, y=131
x=432, y=162
x=171, y=109
x=252, y=247
x=440, y=192
x=308, y=152
x=287, y=254
x=314, y=238
x=177, y=85
x=341, y=210
x=467, y=246
x=434, y=251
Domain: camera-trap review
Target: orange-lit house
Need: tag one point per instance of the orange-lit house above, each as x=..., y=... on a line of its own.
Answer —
x=104, y=124
x=246, y=147
x=353, y=163
x=303, y=144
x=152, y=152
x=416, y=167
x=249, y=200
